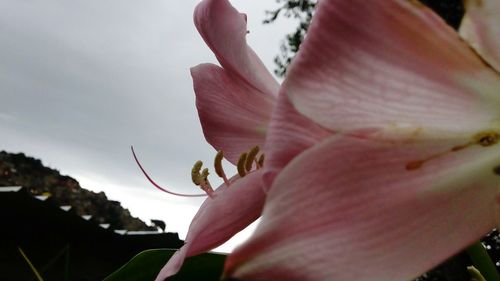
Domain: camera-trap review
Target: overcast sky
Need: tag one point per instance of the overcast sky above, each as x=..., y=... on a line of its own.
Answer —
x=82, y=80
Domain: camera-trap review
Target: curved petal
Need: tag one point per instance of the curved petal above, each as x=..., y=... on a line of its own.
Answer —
x=231, y=210
x=233, y=115
x=224, y=30
x=400, y=66
x=365, y=209
x=481, y=28
x=288, y=135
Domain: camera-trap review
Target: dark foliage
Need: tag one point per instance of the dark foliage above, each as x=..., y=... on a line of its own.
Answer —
x=302, y=10
x=450, y=10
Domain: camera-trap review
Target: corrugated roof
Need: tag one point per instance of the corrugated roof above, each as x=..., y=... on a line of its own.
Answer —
x=10, y=188
x=142, y=232
x=66, y=207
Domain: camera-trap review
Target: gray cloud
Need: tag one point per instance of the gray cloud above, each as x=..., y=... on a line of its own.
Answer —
x=81, y=81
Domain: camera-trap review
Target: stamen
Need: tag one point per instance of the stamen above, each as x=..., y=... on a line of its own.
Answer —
x=201, y=179
x=251, y=157
x=157, y=185
x=487, y=138
x=260, y=162
x=218, y=166
x=195, y=172
x=204, y=183
x=204, y=174
x=241, y=165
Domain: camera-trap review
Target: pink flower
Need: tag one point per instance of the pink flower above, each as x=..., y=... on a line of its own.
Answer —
x=234, y=104
x=234, y=101
x=409, y=180
x=481, y=29
x=412, y=174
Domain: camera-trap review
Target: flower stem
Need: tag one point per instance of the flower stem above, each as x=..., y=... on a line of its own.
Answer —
x=482, y=262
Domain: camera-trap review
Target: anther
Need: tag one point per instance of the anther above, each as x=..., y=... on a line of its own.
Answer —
x=251, y=157
x=195, y=172
x=218, y=166
x=201, y=178
x=204, y=175
x=241, y=165
x=487, y=138
x=204, y=183
x=260, y=162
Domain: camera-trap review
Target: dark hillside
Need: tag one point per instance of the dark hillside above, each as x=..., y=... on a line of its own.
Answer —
x=17, y=169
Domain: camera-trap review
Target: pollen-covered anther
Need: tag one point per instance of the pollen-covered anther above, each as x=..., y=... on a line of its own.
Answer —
x=260, y=162
x=204, y=174
x=251, y=158
x=247, y=160
x=487, y=138
x=200, y=178
x=195, y=172
x=218, y=167
x=241, y=165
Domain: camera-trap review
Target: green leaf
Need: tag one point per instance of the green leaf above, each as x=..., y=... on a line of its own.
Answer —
x=146, y=265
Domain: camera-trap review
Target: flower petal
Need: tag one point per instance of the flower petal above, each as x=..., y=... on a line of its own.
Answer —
x=224, y=30
x=364, y=209
x=390, y=63
x=288, y=135
x=481, y=28
x=231, y=210
x=234, y=116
